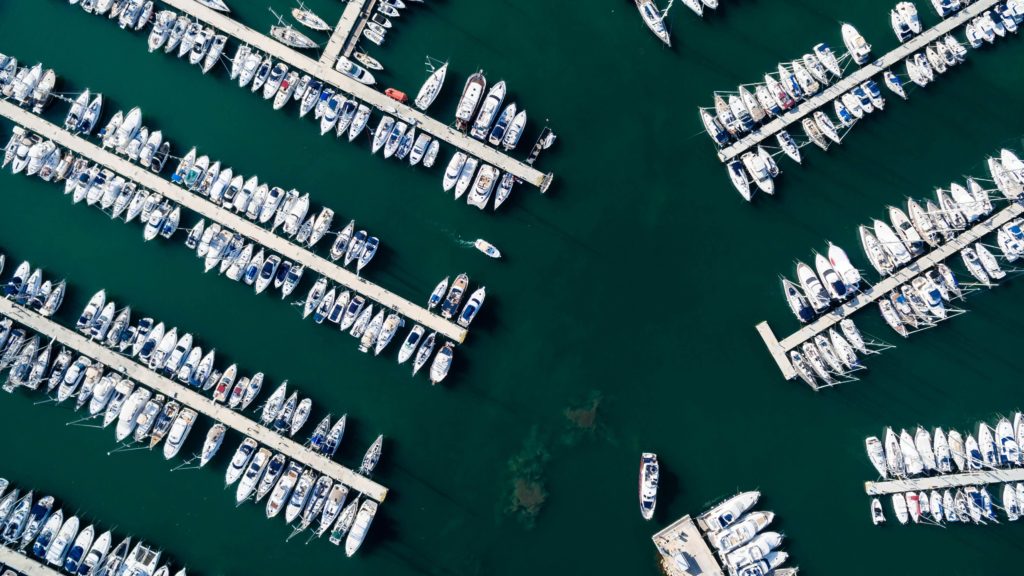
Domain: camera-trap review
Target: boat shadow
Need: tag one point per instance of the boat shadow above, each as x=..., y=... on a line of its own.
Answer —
x=668, y=487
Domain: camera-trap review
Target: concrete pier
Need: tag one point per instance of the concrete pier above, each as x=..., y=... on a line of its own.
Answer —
x=684, y=552
x=351, y=16
x=843, y=85
x=188, y=397
x=976, y=478
x=24, y=565
x=325, y=71
x=779, y=349
x=233, y=221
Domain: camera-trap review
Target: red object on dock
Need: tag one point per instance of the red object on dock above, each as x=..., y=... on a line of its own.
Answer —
x=397, y=95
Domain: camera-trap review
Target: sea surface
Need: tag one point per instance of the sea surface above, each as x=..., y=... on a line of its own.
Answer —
x=620, y=319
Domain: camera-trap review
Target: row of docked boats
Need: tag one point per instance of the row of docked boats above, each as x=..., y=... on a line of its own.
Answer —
x=123, y=133
x=29, y=288
x=375, y=328
x=270, y=206
x=995, y=23
x=149, y=419
x=971, y=504
x=940, y=452
x=178, y=357
x=241, y=261
x=129, y=14
x=736, y=533
x=54, y=536
x=480, y=112
x=751, y=106
x=829, y=356
x=31, y=154
x=936, y=58
x=819, y=128
x=836, y=281
x=29, y=87
x=138, y=414
x=462, y=175
x=180, y=35
x=306, y=499
x=381, y=21
x=100, y=187
x=400, y=141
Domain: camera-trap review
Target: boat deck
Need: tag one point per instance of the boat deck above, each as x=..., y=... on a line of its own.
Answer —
x=780, y=349
x=682, y=540
x=350, y=18
x=188, y=397
x=976, y=478
x=229, y=219
x=369, y=95
x=15, y=564
x=845, y=84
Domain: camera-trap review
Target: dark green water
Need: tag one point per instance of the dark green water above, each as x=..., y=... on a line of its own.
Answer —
x=632, y=286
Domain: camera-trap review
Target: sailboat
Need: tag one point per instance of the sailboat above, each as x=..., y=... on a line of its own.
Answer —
x=289, y=36
x=654, y=19
x=307, y=18
x=431, y=87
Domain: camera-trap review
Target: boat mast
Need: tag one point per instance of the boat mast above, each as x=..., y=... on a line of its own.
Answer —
x=665, y=11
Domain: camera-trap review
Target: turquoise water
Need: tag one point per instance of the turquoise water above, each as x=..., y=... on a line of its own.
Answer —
x=630, y=289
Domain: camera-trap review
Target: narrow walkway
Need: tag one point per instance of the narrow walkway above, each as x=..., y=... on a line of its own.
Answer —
x=779, y=349
x=353, y=39
x=229, y=219
x=349, y=18
x=206, y=406
x=844, y=85
x=976, y=478
x=24, y=565
x=327, y=73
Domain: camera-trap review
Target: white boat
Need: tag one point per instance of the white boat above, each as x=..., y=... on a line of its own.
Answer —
x=649, y=474
x=442, y=363
x=179, y=432
x=788, y=145
x=218, y=5
x=431, y=87
x=812, y=287
x=253, y=473
x=488, y=111
x=363, y=519
x=310, y=20
x=291, y=37
x=891, y=243
x=859, y=49
x=411, y=343
x=472, y=93
x=214, y=439
x=483, y=186
x=654, y=19
x=354, y=71
x=740, y=533
x=876, y=454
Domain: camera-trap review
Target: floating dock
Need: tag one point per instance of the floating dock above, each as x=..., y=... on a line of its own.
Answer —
x=325, y=71
x=780, y=349
x=188, y=397
x=353, y=15
x=684, y=552
x=976, y=478
x=845, y=84
x=15, y=564
x=229, y=219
